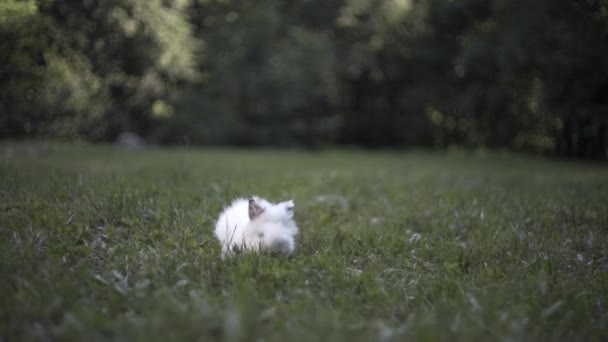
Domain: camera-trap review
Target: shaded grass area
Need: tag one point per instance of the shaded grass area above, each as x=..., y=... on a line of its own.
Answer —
x=98, y=243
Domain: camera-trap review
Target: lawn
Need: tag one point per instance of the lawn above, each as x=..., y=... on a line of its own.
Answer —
x=98, y=243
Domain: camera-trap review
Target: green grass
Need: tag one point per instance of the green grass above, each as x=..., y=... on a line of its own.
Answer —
x=98, y=243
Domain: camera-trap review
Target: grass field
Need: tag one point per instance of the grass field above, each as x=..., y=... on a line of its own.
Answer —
x=98, y=243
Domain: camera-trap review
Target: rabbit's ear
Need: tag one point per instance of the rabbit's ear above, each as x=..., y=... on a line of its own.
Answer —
x=289, y=205
x=254, y=209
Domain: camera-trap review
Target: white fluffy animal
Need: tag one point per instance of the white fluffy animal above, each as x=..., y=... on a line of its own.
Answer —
x=255, y=224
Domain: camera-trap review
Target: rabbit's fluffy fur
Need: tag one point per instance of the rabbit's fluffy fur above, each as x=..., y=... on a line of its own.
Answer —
x=254, y=224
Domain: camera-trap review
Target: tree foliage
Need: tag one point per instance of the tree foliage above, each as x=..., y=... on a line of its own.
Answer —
x=377, y=73
x=96, y=67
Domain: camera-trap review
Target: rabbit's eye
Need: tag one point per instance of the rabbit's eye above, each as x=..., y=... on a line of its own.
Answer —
x=289, y=208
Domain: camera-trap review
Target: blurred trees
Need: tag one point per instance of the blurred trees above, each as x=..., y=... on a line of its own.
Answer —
x=91, y=69
x=269, y=75
x=378, y=73
x=528, y=75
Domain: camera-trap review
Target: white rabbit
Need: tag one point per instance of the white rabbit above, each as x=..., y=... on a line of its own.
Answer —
x=255, y=224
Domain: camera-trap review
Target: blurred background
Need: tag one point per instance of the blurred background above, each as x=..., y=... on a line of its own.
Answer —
x=515, y=74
